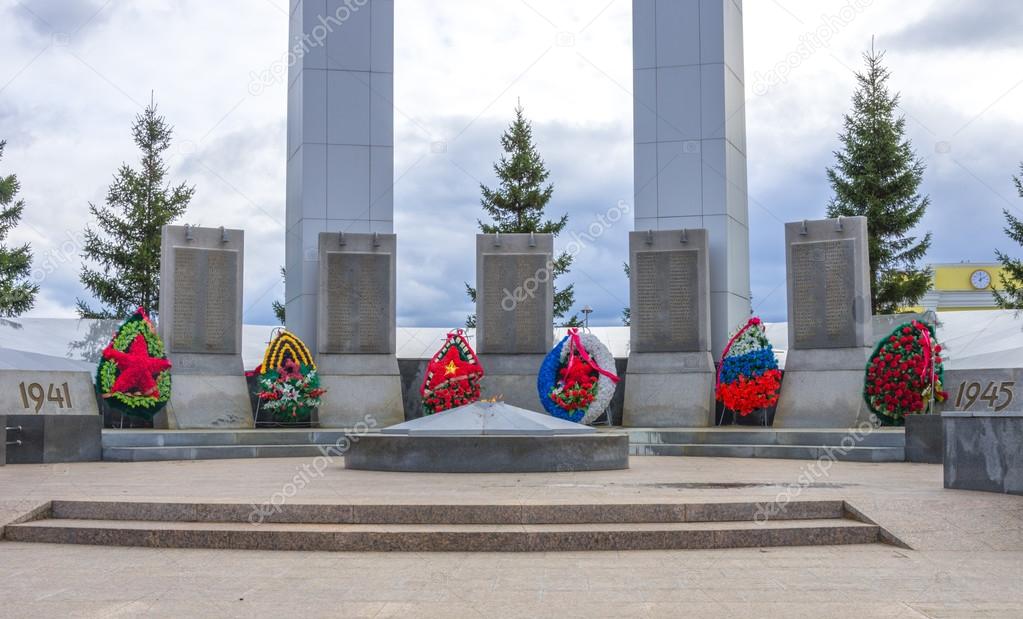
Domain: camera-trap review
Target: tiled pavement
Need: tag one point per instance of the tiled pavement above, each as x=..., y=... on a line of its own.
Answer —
x=967, y=557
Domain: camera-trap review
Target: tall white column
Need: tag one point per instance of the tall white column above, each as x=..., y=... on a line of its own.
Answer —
x=340, y=136
x=690, y=138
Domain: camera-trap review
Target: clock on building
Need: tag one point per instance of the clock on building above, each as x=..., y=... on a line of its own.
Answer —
x=980, y=279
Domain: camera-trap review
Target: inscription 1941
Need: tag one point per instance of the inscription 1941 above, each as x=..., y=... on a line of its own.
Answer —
x=824, y=294
x=358, y=303
x=666, y=312
x=205, y=301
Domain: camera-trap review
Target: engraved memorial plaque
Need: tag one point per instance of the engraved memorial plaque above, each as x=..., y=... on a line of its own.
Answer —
x=666, y=311
x=357, y=303
x=205, y=301
x=515, y=303
x=824, y=294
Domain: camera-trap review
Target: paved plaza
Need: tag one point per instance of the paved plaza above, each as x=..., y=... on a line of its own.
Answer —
x=966, y=558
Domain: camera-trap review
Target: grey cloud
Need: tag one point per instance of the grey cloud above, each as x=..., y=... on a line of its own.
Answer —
x=59, y=17
x=977, y=24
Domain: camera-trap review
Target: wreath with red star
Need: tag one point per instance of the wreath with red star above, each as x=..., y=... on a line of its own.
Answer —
x=452, y=376
x=134, y=374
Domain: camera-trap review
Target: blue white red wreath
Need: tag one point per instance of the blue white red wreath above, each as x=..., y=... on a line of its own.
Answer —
x=577, y=364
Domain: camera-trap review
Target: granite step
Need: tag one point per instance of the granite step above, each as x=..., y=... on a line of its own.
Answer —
x=438, y=538
x=214, y=452
x=446, y=514
x=739, y=435
x=790, y=452
x=219, y=438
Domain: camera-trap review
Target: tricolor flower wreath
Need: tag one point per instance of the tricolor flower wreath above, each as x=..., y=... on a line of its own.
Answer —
x=452, y=376
x=904, y=372
x=134, y=374
x=748, y=377
x=289, y=386
x=573, y=382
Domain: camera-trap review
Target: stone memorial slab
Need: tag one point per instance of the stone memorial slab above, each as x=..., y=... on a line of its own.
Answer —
x=515, y=302
x=830, y=333
x=514, y=313
x=200, y=322
x=670, y=378
x=356, y=330
x=824, y=294
x=357, y=304
x=205, y=301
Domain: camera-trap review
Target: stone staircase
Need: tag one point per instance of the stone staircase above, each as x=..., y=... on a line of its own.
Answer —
x=887, y=445
x=883, y=445
x=462, y=528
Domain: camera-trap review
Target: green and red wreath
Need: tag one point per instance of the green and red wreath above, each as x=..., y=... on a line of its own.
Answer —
x=905, y=374
x=452, y=377
x=134, y=374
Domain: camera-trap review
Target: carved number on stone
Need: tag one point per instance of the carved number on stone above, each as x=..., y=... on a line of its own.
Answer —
x=973, y=392
x=34, y=394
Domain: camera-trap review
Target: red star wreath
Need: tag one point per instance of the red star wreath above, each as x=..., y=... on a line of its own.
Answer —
x=137, y=370
x=134, y=374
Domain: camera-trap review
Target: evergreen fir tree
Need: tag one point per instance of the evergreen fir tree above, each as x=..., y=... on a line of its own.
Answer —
x=627, y=311
x=278, y=306
x=126, y=249
x=878, y=175
x=17, y=292
x=1011, y=294
x=517, y=205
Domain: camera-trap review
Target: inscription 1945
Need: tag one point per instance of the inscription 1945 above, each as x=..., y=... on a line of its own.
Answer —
x=824, y=294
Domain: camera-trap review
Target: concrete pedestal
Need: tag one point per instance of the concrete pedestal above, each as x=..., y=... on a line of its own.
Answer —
x=53, y=439
x=924, y=439
x=360, y=389
x=823, y=389
x=512, y=379
x=665, y=390
x=207, y=392
x=984, y=451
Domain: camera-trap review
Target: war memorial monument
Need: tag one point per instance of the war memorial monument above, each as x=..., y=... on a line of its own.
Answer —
x=519, y=435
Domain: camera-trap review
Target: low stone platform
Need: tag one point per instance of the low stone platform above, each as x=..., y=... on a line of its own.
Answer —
x=488, y=437
x=461, y=528
x=887, y=445
x=880, y=445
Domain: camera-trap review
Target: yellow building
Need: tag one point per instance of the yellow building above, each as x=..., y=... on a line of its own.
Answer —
x=963, y=286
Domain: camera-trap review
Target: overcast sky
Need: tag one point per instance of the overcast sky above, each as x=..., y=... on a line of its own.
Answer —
x=74, y=73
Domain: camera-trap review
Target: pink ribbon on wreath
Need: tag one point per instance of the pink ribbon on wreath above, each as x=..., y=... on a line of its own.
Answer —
x=577, y=343
x=928, y=347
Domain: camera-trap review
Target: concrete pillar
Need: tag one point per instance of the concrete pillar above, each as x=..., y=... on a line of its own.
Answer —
x=690, y=138
x=340, y=136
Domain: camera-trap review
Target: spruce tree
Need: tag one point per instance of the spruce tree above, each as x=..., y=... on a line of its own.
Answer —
x=518, y=203
x=17, y=292
x=126, y=248
x=878, y=175
x=278, y=306
x=1011, y=294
